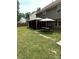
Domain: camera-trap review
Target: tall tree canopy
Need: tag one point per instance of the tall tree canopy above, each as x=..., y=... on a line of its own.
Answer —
x=27, y=14
x=18, y=14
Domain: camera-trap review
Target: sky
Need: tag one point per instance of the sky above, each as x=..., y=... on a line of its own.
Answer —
x=32, y=5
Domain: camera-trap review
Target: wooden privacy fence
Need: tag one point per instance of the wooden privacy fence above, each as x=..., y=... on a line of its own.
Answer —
x=21, y=24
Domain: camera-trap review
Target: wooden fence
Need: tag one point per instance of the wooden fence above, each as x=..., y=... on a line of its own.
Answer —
x=21, y=24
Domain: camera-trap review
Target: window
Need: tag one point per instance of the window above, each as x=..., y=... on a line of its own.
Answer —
x=59, y=11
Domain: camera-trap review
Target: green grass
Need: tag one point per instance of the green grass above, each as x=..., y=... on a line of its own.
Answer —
x=54, y=35
x=32, y=46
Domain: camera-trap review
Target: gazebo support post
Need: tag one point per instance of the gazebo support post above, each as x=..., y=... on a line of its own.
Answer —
x=28, y=24
x=36, y=24
x=46, y=23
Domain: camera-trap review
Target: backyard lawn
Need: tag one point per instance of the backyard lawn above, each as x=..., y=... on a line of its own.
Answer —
x=33, y=46
x=54, y=35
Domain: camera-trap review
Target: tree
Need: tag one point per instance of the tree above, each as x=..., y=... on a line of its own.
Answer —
x=38, y=9
x=27, y=15
x=18, y=6
x=18, y=14
x=22, y=15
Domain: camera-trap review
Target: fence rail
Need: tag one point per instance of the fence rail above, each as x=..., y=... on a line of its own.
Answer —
x=21, y=24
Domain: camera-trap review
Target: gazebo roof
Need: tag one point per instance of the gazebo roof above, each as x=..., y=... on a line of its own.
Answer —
x=47, y=19
x=37, y=18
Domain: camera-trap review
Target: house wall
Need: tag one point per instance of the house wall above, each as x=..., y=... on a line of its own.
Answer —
x=51, y=13
x=39, y=15
x=58, y=13
x=33, y=16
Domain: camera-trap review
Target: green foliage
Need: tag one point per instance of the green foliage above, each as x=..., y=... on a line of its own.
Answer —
x=18, y=5
x=18, y=15
x=27, y=14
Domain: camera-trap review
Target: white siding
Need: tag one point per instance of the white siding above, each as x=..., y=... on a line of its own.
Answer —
x=33, y=16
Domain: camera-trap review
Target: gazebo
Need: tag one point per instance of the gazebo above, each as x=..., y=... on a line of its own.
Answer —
x=47, y=23
x=35, y=23
x=37, y=20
